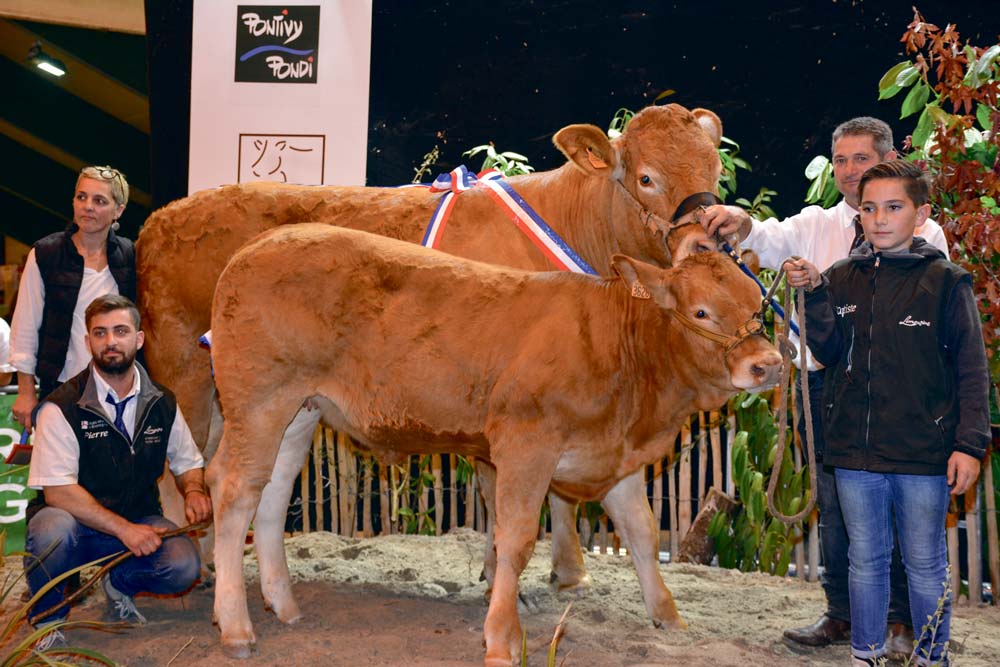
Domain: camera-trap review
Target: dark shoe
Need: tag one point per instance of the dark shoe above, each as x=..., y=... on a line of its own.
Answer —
x=899, y=642
x=823, y=632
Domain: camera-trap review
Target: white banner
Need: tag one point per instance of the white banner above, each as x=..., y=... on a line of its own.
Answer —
x=279, y=92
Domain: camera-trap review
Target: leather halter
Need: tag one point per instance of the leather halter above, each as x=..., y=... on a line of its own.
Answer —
x=752, y=327
x=656, y=223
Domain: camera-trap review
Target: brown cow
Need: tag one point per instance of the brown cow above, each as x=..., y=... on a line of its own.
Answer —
x=557, y=379
x=598, y=202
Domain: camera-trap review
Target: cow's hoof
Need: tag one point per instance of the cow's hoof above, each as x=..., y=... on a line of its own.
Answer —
x=577, y=586
x=526, y=604
x=238, y=650
x=670, y=623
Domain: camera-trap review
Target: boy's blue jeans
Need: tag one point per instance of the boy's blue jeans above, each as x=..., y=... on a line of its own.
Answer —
x=919, y=503
x=171, y=569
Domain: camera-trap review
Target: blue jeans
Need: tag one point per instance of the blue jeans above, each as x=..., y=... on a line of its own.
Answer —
x=919, y=503
x=171, y=569
x=832, y=533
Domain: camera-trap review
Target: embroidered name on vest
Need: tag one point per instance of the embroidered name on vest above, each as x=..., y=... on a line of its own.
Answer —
x=910, y=322
x=844, y=310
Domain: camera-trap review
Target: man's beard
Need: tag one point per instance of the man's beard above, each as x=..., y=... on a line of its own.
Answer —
x=118, y=367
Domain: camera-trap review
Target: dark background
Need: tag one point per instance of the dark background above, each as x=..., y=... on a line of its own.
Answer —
x=781, y=75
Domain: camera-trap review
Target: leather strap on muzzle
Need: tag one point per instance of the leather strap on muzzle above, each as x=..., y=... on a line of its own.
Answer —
x=691, y=202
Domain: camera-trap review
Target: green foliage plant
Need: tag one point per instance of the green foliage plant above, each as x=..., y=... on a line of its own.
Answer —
x=952, y=89
x=822, y=188
x=507, y=163
x=751, y=539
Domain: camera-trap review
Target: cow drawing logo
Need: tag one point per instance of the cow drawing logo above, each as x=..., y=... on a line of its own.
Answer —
x=277, y=44
x=285, y=158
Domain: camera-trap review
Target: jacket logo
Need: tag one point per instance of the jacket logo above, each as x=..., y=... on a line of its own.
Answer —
x=910, y=322
x=151, y=430
x=93, y=423
x=844, y=310
x=90, y=435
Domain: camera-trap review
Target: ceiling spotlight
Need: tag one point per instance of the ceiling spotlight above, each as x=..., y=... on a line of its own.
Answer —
x=44, y=61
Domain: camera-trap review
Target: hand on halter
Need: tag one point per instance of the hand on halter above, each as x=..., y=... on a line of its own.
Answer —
x=725, y=221
x=801, y=273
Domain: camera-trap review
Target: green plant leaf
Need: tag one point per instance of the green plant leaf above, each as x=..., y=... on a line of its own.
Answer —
x=923, y=129
x=816, y=166
x=980, y=70
x=888, y=80
x=907, y=76
x=915, y=99
x=983, y=116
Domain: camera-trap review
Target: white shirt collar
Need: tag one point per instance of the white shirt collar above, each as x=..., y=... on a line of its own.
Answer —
x=103, y=388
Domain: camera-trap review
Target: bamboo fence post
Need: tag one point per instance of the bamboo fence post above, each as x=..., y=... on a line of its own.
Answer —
x=335, y=490
x=384, y=495
x=304, y=489
x=343, y=463
x=730, y=434
x=438, y=503
x=658, y=500
x=715, y=434
x=602, y=528
x=702, y=457
x=474, y=506
x=799, y=550
x=470, y=498
x=813, y=548
x=684, y=483
x=672, y=510
x=393, y=498
x=317, y=460
x=993, y=561
x=973, y=544
x=951, y=529
x=368, y=529
x=453, y=492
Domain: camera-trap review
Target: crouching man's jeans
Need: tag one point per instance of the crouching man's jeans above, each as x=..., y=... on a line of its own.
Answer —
x=170, y=569
x=919, y=503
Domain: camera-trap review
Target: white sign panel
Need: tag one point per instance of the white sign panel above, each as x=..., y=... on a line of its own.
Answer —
x=279, y=92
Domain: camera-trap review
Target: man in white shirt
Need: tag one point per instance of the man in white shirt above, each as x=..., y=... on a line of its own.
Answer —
x=101, y=441
x=824, y=236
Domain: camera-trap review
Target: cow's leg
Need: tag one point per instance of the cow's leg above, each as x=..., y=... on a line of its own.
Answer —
x=568, y=570
x=487, y=478
x=269, y=523
x=520, y=490
x=627, y=506
x=238, y=472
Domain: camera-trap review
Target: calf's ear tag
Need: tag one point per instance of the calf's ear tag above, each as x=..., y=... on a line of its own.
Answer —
x=639, y=290
x=595, y=161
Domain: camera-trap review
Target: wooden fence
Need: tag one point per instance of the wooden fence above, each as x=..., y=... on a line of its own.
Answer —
x=353, y=495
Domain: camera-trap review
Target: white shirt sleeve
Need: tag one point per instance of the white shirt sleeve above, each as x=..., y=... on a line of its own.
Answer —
x=27, y=318
x=5, y=348
x=55, y=459
x=931, y=232
x=182, y=452
x=775, y=240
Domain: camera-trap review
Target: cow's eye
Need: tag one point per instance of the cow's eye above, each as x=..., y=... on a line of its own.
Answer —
x=645, y=180
x=701, y=314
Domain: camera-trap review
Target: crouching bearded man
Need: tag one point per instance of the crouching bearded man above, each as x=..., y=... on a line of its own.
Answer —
x=101, y=440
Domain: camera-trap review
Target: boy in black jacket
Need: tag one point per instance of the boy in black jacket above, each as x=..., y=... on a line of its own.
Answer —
x=906, y=407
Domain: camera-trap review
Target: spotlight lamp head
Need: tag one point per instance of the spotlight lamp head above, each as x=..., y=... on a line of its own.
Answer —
x=44, y=61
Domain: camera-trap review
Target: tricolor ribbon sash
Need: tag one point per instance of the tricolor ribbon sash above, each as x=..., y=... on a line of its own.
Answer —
x=517, y=209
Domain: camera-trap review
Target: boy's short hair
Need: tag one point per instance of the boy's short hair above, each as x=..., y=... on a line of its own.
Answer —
x=878, y=130
x=109, y=303
x=915, y=181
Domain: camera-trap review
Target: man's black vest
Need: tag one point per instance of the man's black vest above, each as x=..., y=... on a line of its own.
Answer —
x=119, y=474
x=61, y=267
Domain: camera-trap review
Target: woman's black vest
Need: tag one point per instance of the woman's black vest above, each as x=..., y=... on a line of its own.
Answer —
x=61, y=267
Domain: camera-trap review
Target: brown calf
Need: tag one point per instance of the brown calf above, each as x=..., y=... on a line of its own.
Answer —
x=556, y=379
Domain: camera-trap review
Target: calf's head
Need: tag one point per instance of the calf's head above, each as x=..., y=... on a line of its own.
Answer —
x=665, y=154
x=710, y=319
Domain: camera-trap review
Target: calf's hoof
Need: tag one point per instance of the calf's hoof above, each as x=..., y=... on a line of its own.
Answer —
x=575, y=585
x=238, y=650
x=676, y=623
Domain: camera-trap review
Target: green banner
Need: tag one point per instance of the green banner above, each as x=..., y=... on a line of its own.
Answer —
x=14, y=491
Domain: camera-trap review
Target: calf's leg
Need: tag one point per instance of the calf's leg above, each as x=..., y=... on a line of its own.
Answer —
x=237, y=474
x=627, y=506
x=568, y=570
x=487, y=478
x=520, y=489
x=269, y=522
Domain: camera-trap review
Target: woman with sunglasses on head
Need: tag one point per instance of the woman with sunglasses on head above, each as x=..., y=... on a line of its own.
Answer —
x=64, y=272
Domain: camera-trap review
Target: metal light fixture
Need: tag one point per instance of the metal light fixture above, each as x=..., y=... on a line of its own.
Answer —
x=44, y=61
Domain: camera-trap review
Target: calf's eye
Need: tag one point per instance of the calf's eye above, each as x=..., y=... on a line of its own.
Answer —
x=645, y=180
x=701, y=315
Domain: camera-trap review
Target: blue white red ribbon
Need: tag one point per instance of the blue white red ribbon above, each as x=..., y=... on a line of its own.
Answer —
x=518, y=210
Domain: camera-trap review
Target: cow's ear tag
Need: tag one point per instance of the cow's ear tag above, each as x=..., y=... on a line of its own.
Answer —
x=639, y=290
x=595, y=161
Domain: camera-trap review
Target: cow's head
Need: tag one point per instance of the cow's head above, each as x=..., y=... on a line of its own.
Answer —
x=709, y=309
x=665, y=154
